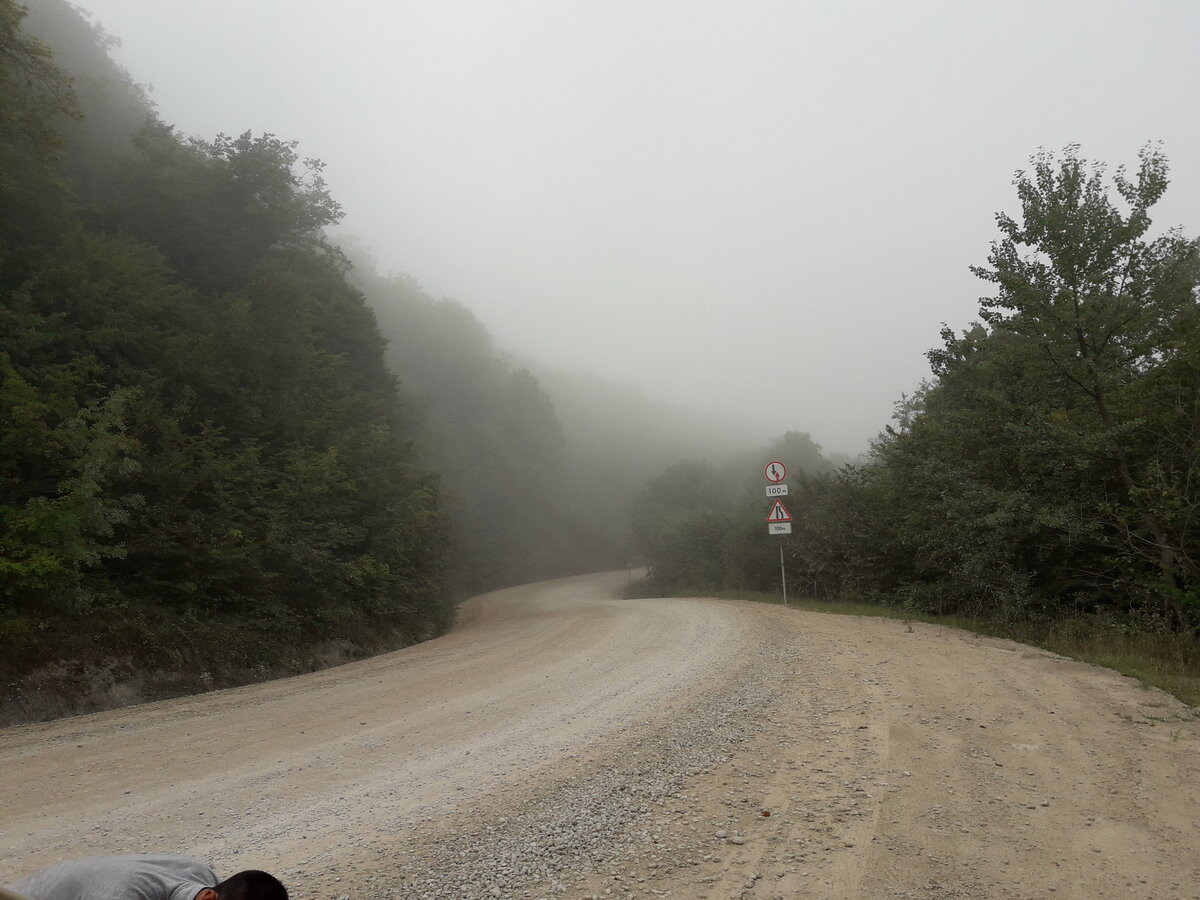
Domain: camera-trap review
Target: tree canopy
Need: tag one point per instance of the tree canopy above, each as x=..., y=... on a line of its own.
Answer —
x=204, y=455
x=1050, y=464
x=227, y=452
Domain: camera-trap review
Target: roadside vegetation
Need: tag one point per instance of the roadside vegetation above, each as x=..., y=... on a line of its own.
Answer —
x=1043, y=484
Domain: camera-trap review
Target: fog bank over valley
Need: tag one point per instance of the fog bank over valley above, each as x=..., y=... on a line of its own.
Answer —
x=763, y=210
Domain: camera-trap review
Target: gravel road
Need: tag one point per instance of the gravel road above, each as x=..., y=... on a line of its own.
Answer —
x=562, y=742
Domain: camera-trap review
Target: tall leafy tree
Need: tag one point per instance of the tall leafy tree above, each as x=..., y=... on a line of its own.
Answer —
x=1099, y=309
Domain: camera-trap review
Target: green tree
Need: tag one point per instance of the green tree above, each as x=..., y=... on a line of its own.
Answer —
x=216, y=209
x=1099, y=308
x=682, y=523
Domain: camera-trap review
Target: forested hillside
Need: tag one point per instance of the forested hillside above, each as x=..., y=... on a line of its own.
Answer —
x=211, y=471
x=538, y=466
x=1049, y=467
x=493, y=433
x=204, y=460
x=231, y=449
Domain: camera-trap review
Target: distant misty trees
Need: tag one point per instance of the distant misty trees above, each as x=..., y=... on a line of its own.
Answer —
x=492, y=432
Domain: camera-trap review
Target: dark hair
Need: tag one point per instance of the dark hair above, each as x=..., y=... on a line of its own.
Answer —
x=251, y=885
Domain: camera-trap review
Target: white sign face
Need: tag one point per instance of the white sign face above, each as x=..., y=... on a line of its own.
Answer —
x=776, y=490
x=775, y=471
x=779, y=528
x=779, y=513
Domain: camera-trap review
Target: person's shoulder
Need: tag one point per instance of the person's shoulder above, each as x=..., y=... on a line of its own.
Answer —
x=168, y=862
x=133, y=876
x=129, y=860
x=165, y=859
x=184, y=867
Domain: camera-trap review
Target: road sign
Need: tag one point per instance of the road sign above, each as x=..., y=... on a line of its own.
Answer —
x=779, y=513
x=779, y=520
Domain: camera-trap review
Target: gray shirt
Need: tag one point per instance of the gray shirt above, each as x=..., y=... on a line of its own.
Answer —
x=119, y=878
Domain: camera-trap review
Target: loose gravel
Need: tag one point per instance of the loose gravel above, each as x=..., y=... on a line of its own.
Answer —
x=606, y=822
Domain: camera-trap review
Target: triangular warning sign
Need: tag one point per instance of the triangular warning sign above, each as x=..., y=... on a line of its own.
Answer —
x=778, y=513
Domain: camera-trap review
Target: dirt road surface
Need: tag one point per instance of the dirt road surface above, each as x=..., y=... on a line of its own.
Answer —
x=561, y=742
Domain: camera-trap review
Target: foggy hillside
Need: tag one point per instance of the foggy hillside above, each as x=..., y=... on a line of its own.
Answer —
x=759, y=211
x=222, y=433
x=580, y=446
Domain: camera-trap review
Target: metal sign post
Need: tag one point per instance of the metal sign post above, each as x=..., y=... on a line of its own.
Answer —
x=782, y=573
x=779, y=520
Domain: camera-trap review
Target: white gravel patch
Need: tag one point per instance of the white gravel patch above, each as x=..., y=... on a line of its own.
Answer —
x=600, y=824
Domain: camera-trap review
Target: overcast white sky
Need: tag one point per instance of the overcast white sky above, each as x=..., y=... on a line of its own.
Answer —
x=765, y=208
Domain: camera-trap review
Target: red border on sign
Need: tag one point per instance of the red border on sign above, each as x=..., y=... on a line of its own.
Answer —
x=767, y=471
x=787, y=516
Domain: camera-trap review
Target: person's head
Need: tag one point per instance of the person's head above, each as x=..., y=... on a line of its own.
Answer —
x=249, y=885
